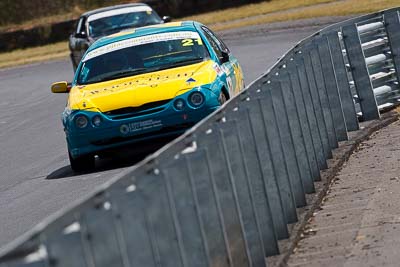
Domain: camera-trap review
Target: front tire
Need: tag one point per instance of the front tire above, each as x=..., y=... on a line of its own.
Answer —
x=82, y=163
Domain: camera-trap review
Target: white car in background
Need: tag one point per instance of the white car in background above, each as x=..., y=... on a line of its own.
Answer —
x=97, y=23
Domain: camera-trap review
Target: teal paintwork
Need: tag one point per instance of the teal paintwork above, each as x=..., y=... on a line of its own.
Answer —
x=116, y=133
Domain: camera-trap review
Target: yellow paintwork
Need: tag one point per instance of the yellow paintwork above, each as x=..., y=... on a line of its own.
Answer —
x=165, y=25
x=122, y=33
x=137, y=90
x=59, y=87
x=239, y=78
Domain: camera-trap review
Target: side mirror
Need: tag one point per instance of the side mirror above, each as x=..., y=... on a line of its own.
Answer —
x=224, y=57
x=60, y=87
x=166, y=19
x=80, y=35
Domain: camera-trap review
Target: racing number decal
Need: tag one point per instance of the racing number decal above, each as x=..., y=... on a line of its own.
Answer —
x=189, y=42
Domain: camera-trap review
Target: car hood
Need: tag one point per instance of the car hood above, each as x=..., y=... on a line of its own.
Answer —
x=135, y=91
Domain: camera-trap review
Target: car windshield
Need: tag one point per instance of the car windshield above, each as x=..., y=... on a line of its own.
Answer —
x=113, y=21
x=142, y=55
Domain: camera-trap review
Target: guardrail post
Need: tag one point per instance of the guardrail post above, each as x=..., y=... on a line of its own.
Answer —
x=332, y=90
x=239, y=175
x=267, y=216
x=323, y=99
x=105, y=247
x=278, y=160
x=228, y=197
x=66, y=248
x=158, y=215
x=343, y=84
x=360, y=72
x=275, y=189
x=295, y=91
x=311, y=113
x=133, y=222
x=392, y=24
x=184, y=212
x=275, y=156
x=289, y=154
x=289, y=105
x=317, y=104
x=286, y=134
x=208, y=208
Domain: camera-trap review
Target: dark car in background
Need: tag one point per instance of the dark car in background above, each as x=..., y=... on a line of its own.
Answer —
x=97, y=23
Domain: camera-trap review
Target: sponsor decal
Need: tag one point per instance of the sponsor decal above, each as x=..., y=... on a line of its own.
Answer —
x=139, y=126
x=190, y=80
x=218, y=69
x=124, y=129
x=226, y=70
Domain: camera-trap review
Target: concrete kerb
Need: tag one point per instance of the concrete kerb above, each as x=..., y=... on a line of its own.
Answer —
x=340, y=157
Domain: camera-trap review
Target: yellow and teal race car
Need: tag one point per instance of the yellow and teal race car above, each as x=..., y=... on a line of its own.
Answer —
x=143, y=84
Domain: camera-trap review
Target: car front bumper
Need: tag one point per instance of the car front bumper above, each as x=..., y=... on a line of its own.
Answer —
x=122, y=132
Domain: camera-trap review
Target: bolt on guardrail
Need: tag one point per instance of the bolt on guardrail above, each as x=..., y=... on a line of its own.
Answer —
x=224, y=193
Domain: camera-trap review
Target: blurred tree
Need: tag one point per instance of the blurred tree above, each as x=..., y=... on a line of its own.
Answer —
x=18, y=11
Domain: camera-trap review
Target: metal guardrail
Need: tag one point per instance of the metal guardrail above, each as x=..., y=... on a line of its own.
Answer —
x=224, y=192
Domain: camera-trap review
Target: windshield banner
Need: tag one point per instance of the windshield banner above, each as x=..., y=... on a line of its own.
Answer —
x=154, y=38
x=119, y=11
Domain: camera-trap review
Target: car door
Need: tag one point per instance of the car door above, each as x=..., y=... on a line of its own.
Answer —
x=78, y=42
x=234, y=76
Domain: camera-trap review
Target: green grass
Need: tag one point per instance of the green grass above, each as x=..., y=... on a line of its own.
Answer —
x=246, y=11
x=35, y=54
x=337, y=8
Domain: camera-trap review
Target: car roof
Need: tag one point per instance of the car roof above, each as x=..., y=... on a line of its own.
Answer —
x=147, y=30
x=99, y=10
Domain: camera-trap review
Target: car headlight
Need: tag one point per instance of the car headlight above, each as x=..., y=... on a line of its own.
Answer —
x=96, y=120
x=81, y=121
x=196, y=99
x=179, y=104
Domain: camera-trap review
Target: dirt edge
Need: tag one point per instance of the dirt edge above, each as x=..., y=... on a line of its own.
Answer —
x=341, y=156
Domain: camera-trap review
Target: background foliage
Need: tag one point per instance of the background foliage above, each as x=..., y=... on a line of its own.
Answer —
x=19, y=11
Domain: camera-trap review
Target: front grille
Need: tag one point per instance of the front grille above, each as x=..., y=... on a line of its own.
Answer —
x=130, y=112
x=165, y=130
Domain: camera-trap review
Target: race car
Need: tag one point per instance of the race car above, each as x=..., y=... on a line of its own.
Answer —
x=147, y=83
x=100, y=22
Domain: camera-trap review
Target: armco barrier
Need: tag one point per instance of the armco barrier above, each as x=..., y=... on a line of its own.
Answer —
x=224, y=192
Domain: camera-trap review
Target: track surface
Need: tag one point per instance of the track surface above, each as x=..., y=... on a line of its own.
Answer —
x=35, y=177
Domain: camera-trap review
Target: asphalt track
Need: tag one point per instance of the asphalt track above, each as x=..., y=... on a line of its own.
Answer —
x=35, y=177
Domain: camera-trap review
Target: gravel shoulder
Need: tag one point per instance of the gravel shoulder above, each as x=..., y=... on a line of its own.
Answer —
x=354, y=218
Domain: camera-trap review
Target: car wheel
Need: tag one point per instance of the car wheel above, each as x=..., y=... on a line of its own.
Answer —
x=82, y=163
x=222, y=98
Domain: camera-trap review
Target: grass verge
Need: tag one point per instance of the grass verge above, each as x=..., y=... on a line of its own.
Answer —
x=35, y=54
x=337, y=8
x=246, y=11
x=247, y=15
